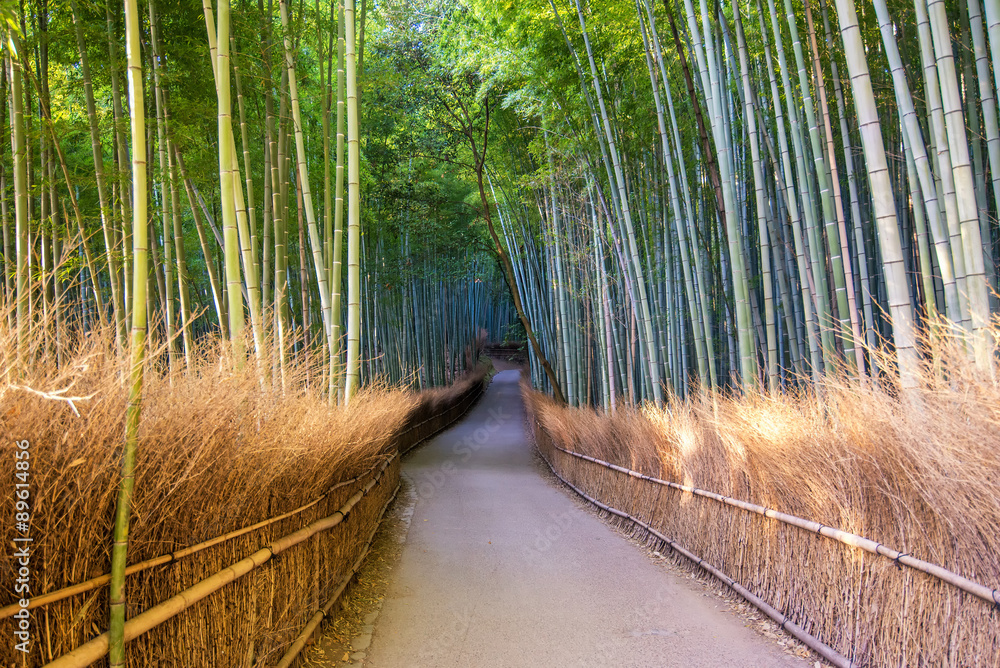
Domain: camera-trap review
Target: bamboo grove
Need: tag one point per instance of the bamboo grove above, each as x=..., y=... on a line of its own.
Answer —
x=745, y=193
x=680, y=193
x=249, y=156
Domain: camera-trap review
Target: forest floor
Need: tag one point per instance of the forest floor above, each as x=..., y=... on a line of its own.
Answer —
x=485, y=560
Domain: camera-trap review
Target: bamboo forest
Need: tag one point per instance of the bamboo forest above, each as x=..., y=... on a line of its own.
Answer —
x=726, y=270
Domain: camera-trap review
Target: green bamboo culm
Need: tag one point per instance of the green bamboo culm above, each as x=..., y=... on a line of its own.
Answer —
x=353, y=210
x=336, y=370
x=107, y=208
x=893, y=265
x=229, y=230
x=119, y=552
x=18, y=151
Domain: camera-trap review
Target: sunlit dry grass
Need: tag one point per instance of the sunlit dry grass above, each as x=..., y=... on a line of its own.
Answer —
x=918, y=472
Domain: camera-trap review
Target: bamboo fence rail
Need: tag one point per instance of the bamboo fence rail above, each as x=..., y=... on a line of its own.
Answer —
x=96, y=648
x=321, y=614
x=862, y=604
x=94, y=583
x=783, y=621
x=434, y=414
x=991, y=596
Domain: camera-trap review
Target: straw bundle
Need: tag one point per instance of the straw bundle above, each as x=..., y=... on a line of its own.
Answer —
x=217, y=454
x=921, y=476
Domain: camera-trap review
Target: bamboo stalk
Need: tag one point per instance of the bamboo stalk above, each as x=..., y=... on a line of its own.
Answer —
x=228, y=180
x=352, y=374
x=337, y=251
x=115, y=642
x=20, y=170
x=893, y=263
x=971, y=239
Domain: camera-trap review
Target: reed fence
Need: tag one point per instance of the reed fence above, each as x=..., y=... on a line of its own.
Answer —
x=854, y=601
x=250, y=596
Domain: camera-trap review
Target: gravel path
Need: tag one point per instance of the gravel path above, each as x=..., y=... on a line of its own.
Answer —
x=502, y=567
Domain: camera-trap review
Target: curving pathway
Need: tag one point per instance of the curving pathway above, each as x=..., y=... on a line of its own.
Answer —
x=504, y=568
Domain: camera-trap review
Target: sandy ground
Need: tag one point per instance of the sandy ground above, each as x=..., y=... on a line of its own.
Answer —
x=502, y=567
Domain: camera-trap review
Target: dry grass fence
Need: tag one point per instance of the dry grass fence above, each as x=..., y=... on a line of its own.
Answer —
x=920, y=475
x=217, y=456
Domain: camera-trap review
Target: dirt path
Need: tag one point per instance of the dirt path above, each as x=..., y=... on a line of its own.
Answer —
x=502, y=567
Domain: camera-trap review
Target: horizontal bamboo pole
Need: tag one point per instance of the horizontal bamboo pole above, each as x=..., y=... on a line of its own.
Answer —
x=101, y=580
x=94, y=583
x=811, y=641
x=991, y=596
x=300, y=642
x=95, y=649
